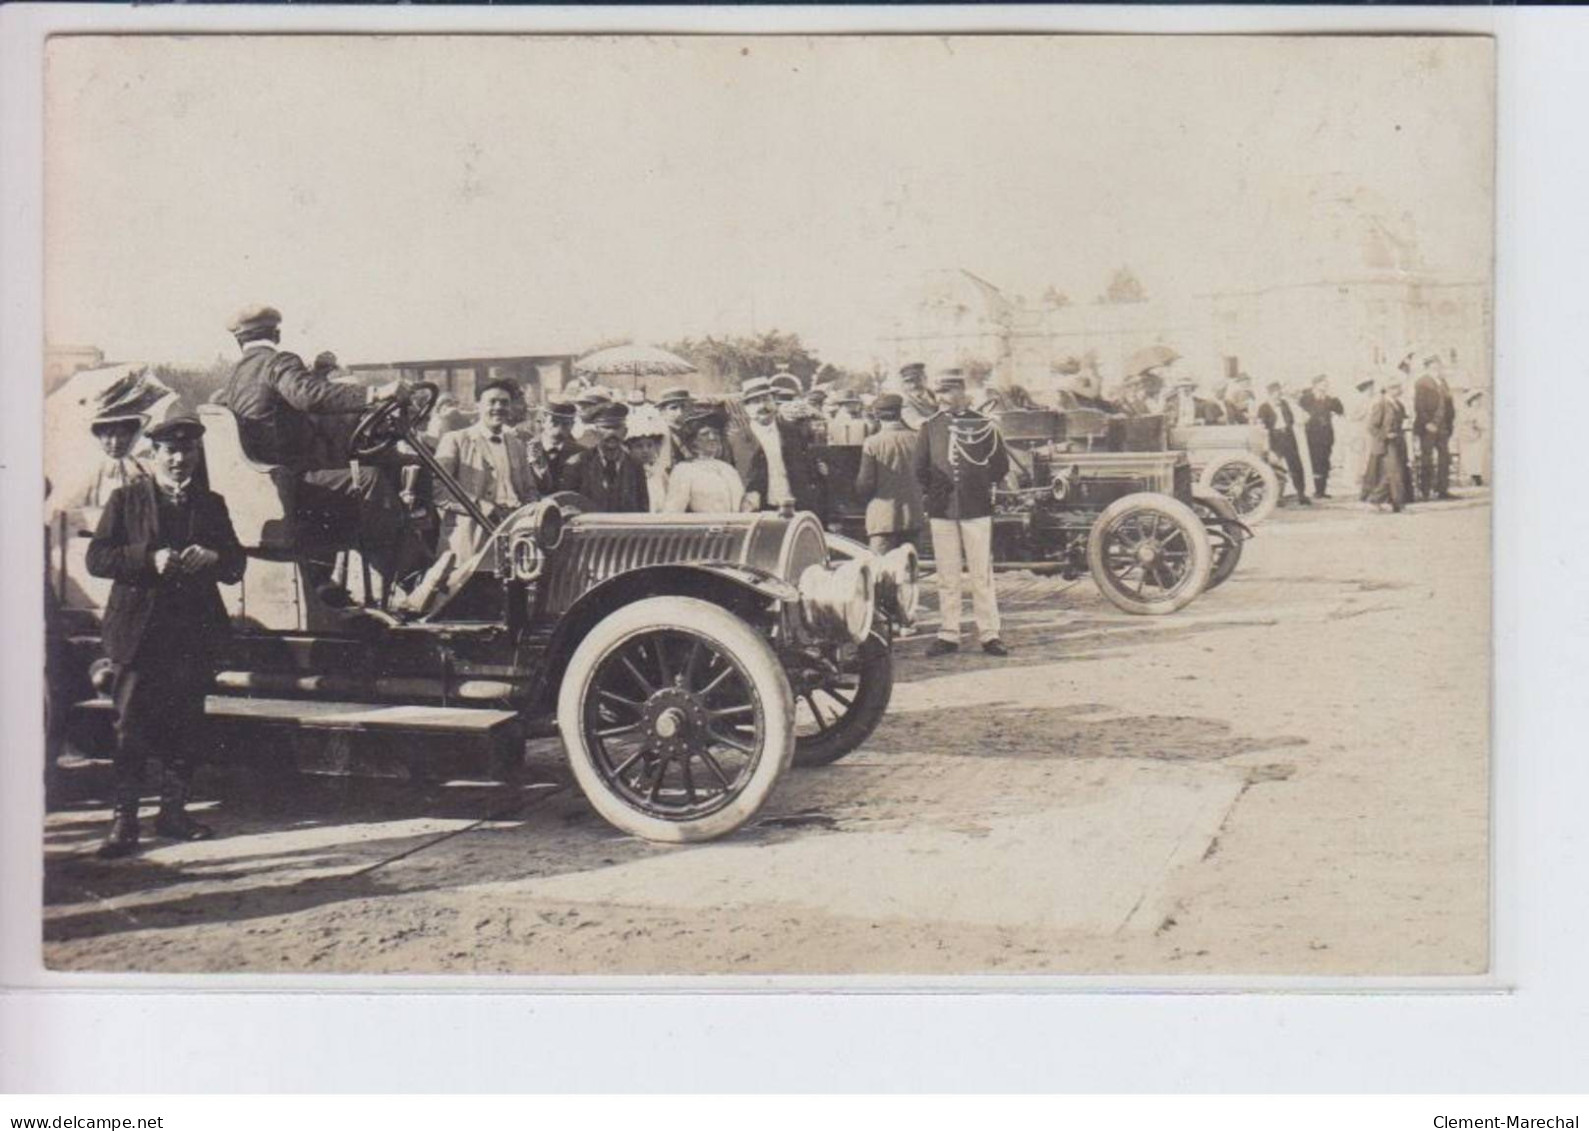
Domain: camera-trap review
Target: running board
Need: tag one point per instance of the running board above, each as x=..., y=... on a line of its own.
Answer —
x=379, y=718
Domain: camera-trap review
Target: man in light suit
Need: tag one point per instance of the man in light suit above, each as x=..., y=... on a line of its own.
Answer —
x=491, y=463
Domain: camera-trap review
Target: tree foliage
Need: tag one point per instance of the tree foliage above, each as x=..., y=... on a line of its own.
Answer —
x=729, y=360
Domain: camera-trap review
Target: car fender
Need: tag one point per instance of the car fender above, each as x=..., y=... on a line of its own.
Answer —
x=721, y=582
x=1226, y=513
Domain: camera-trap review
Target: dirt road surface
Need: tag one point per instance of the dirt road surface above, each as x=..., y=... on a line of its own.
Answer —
x=1288, y=777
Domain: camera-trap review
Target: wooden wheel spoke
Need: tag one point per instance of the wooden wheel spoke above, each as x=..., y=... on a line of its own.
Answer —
x=613, y=697
x=832, y=693
x=712, y=764
x=644, y=684
x=614, y=732
x=726, y=740
x=816, y=712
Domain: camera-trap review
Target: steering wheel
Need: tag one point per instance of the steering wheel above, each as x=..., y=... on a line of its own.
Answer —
x=392, y=420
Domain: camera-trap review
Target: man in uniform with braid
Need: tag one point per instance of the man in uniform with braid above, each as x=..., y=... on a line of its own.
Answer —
x=960, y=458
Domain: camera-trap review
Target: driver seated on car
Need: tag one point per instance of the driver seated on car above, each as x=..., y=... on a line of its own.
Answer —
x=491, y=462
x=278, y=403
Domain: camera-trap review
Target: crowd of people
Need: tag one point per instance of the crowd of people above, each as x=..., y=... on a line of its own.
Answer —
x=932, y=458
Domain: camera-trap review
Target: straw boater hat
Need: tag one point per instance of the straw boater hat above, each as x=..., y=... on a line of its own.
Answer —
x=754, y=388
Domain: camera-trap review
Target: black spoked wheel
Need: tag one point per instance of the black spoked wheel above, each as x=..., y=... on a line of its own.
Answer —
x=838, y=707
x=1149, y=554
x=677, y=718
x=1249, y=484
x=1225, y=543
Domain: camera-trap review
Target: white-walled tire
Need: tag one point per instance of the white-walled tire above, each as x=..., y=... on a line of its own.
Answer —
x=677, y=719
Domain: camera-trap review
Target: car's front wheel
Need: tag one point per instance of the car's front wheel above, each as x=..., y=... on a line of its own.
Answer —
x=677, y=719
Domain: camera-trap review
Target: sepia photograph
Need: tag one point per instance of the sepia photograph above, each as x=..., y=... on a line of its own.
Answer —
x=851, y=506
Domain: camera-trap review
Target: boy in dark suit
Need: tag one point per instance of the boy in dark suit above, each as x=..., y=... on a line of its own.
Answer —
x=165, y=543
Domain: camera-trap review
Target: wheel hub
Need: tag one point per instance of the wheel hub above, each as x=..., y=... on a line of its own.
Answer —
x=1148, y=553
x=675, y=719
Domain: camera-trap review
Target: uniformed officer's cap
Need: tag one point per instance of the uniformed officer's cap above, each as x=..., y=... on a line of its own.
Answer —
x=561, y=409
x=609, y=415
x=786, y=386
x=755, y=388
x=915, y=371
x=676, y=395
x=252, y=319
x=888, y=406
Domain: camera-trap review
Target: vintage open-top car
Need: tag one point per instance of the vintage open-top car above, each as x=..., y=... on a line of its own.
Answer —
x=1095, y=494
x=685, y=660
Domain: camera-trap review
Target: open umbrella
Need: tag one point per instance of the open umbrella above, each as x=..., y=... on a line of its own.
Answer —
x=632, y=361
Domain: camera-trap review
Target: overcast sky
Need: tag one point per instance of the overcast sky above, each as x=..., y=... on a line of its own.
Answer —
x=403, y=198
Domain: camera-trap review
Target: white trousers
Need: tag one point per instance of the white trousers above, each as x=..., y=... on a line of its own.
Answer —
x=965, y=546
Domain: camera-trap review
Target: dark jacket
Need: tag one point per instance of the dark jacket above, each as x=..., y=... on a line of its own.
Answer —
x=887, y=480
x=804, y=482
x=1284, y=423
x=957, y=481
x=1203, y=411
x=624, y=492
x=1320, y=409
x=123, y=550
x=275, y=399
x=1432, y=403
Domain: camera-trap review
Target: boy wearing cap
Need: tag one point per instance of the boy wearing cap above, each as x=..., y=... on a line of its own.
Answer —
x=608, y=477
x=1275, y=414
x=959, y=459
x=165, y=543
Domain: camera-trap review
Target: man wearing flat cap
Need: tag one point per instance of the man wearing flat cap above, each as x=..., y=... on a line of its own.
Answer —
x=553, y=444
x=887, y=478
x=606, y=475
x=165, y=543
x=959, y=459
x=283, y=412
x=917, y=404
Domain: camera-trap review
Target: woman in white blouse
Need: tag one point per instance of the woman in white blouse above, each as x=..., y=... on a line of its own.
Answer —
x=704, y=483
